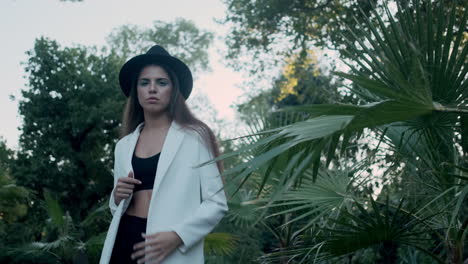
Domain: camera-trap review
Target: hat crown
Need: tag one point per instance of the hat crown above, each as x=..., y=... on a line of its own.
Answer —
x=157, y=50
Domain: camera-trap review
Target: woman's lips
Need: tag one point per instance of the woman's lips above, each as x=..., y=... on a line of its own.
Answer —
x=152, y=100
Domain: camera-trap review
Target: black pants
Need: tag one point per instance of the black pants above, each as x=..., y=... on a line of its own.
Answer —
x=128, y=234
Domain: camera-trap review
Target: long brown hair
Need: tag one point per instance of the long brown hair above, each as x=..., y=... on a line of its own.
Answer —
x=178, y=111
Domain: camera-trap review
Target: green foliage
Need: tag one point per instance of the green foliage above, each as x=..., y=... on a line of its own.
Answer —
x=13, y=202
x=262, y=28
x=267, y=31
x=303, y=82
x=381, y=225
x=409, y=69
x=181, y=38
x=219, y=244
x=14, y=198
x=62, y=238
x=69, y=124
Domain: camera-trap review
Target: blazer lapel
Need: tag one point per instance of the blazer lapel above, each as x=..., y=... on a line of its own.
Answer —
x=170, y=147
x=132, y=140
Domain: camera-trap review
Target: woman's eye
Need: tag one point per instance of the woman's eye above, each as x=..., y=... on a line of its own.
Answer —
x=162, y=83
x=143, y=83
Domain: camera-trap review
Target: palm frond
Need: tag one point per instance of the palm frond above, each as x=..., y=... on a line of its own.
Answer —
x=376, y=227
x=220, y=244
x=313, y=202
x=55, y=211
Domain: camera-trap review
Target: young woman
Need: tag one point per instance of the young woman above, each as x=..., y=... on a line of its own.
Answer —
x=163, y=204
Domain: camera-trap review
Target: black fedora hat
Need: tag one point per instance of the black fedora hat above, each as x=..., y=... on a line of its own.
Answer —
x=158, y=55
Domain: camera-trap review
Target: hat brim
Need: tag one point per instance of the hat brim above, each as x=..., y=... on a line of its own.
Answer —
x=134, y=65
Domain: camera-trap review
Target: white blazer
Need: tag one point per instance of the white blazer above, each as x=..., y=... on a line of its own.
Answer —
x=187, y=200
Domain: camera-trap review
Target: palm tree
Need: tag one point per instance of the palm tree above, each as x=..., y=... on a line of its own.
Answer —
x=63, y=240
x=409, y=71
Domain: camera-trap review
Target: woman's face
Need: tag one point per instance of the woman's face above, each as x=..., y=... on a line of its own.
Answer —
x=154, y=89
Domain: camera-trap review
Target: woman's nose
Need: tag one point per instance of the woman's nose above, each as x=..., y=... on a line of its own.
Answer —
x=153, y=86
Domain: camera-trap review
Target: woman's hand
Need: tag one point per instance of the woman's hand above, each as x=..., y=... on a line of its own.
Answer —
x=124, y=187
x=160, y=246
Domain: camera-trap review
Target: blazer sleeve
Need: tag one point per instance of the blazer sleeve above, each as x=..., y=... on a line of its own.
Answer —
x=213, y=204
x=117, y=172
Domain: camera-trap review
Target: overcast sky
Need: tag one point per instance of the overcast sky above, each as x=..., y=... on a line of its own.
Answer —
x=88, y=23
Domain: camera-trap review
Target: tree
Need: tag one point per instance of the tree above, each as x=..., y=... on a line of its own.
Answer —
x=264, y=32
x=260, y=29
x=411, y=83
x=181, y=38
x=69, y=122
x=13, y=202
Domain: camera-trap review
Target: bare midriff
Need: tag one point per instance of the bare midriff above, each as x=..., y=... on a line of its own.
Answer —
x=139, y=204
x=146, y=146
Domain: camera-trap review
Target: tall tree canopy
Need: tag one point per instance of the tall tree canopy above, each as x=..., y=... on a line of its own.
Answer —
x=264, y=32
x=181, y=38
x=69, y=115
x=265, y=28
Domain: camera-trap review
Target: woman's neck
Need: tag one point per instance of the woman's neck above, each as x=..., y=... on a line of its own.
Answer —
x=156, y=122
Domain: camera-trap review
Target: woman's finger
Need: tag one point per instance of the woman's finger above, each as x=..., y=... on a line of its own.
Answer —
x=150, y=256
x=125, y=185
x=148, y=243
x=143, y=248
x=151, y=236
x=138, y=253
x=124, y=191
x=129, y=180
x=123, y=195
x=144, y=243
x=160, y=258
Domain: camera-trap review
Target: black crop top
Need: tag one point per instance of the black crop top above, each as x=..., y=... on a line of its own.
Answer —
x=144, y=169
